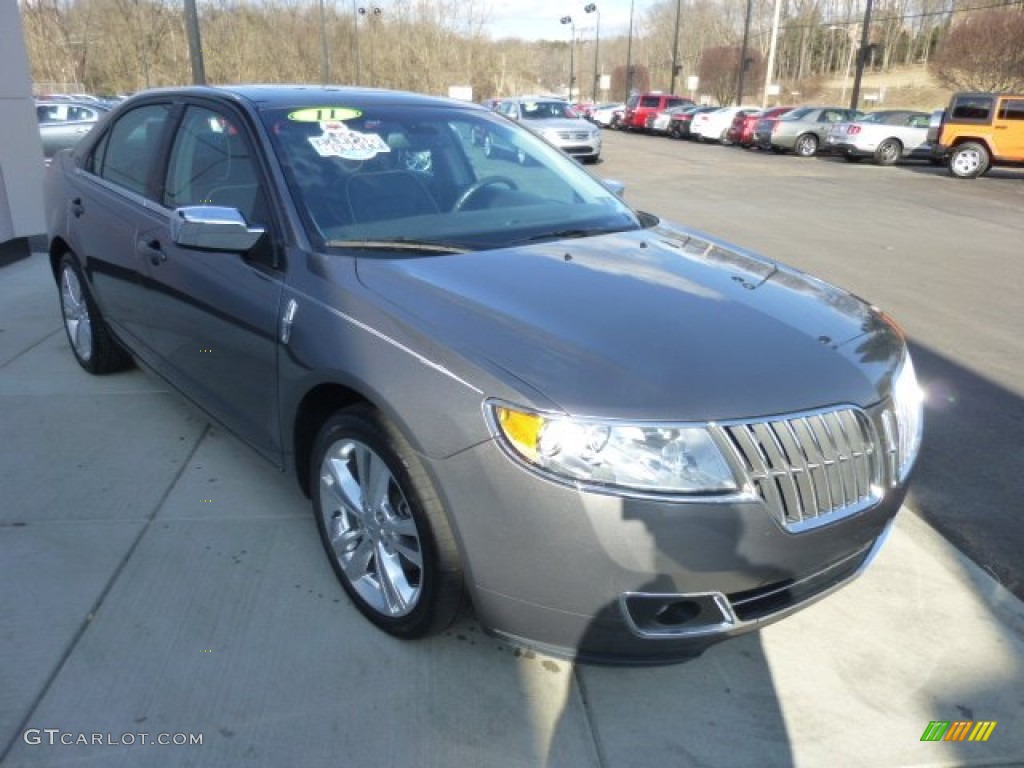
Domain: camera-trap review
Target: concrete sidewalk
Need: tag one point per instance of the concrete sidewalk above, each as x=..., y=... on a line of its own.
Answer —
x=160, y=578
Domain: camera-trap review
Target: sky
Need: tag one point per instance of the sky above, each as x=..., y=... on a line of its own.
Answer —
x=539, y=19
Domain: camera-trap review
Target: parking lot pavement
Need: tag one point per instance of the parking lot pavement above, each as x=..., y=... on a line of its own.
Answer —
x=161, y=579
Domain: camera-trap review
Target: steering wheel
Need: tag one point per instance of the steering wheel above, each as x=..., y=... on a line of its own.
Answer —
x=485, y=182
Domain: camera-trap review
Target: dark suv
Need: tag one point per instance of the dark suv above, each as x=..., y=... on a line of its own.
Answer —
x=978, y=131
x=640, y=105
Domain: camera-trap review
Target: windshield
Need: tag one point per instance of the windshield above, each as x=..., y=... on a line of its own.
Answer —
x=408, y=176
x=545, y=110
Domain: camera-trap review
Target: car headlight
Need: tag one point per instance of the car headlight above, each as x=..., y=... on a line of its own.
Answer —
x=641, y=457
x=908, y=407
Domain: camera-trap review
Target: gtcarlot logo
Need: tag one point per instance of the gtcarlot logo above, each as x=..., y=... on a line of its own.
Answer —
x=960, y=730
x=55, y=736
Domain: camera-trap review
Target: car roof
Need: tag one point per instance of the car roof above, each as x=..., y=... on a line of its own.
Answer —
x=270, y=96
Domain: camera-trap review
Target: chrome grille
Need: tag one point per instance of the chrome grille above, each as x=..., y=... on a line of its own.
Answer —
x=574, y=135
x=810, y=469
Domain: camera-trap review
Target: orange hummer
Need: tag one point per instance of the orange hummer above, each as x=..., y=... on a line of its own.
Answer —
x=978, y=131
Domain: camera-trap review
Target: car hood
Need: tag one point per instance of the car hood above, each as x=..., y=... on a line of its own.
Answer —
x=649, y=324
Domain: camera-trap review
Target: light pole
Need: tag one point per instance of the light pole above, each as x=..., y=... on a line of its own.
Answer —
x=572, y=45
x=195, y=47
x=325, y=62
x=862, y=54
x=675, y=50
x=852, y=34
x=362, y=11
x=591, y=8
x=629, y=55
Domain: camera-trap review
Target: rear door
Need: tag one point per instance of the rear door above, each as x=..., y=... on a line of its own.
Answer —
x=1008, y=129
x=113, y=198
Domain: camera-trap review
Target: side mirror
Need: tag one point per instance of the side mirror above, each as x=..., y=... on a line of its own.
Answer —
x=617, y=188
x=213, y=228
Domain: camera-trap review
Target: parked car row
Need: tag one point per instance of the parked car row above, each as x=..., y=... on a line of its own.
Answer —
x=977, y=132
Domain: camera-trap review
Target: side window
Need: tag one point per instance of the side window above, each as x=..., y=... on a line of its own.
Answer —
x=649, y=101
x=128, y=154
x=211, y=164
x=972, y=109
x=1012, y=109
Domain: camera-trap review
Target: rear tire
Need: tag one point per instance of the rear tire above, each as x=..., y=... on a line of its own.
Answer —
x=383, y=527
x=888, y=152
x=969, y=160
x=94, y=347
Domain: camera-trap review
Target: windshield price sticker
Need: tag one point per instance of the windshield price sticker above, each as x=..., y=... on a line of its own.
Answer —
x=337, y=140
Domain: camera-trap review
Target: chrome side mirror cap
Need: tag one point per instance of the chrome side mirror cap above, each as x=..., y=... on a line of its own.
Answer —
x=213, y=228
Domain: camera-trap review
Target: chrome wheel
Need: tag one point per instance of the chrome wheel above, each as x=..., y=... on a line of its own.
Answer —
x=370, y=527
x=888, y=152
x=807, y=145
x=77, y=321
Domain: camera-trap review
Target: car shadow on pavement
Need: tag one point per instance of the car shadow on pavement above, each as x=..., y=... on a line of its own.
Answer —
x=967, y=482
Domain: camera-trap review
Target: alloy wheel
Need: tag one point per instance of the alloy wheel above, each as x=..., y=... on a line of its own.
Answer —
x=369, y=523
x=77, y=321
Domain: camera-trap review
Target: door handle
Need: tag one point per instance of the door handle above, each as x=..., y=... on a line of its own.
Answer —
x=77, y=209
x=152, y=249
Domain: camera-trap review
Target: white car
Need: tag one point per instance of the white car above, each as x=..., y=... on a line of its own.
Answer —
x=711, y=126
x=604, y=114
x=660, y=122
x=885, y=136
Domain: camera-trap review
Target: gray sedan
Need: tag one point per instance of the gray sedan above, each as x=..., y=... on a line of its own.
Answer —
x=802, y=130
x=553, y=120
x=62, y=124
x=614, y=437
x=885, y=136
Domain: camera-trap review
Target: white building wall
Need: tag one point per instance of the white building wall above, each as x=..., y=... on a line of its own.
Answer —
x=21, y=152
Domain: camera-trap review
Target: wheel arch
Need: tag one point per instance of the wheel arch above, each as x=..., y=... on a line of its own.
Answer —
x=974, y=139
x=316, y=406
x=58, y=247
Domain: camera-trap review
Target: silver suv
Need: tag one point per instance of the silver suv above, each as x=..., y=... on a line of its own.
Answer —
x=552, y=119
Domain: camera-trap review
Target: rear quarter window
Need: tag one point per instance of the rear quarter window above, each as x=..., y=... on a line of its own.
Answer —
x=972, y=108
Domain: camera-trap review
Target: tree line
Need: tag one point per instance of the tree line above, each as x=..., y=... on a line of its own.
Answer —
x=121, y=46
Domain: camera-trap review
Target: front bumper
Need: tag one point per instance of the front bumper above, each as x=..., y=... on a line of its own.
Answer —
x=627, y=580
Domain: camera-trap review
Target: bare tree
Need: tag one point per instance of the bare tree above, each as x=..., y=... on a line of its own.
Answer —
x=984, y=52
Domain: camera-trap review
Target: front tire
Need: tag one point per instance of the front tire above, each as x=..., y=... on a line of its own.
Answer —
x=969, y=160
x=383, y=527
x=91, y=341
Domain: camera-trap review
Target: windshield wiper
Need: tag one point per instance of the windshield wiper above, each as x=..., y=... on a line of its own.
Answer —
x=399, y=244
x=571, y=234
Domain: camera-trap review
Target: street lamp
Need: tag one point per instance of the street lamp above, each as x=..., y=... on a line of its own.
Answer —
x=372, y=12
x=629, y=55
x=591, y=8
x=572, y=45
x=325, y=61
x=852, y=33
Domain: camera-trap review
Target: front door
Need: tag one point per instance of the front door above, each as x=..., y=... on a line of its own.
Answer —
x=213, y=315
